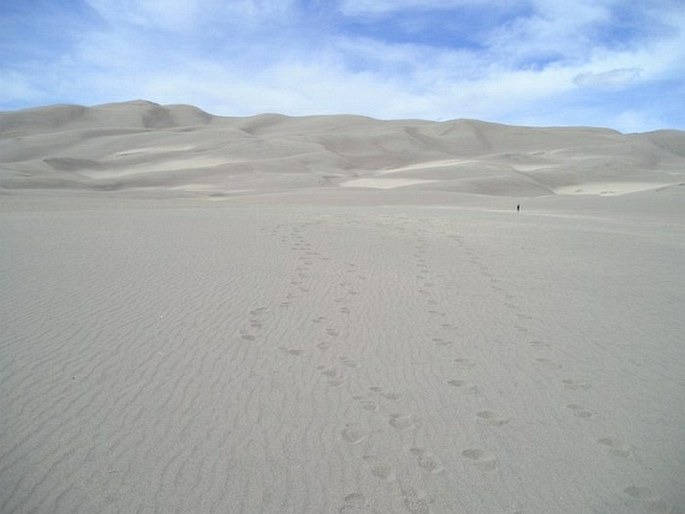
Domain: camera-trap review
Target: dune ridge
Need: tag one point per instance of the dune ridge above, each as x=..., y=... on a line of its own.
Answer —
x=140, y=146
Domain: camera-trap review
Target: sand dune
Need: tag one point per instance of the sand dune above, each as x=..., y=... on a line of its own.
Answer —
x=359, y=321
x=144, y=146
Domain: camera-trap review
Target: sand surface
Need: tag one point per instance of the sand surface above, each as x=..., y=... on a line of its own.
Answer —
x=214, y=340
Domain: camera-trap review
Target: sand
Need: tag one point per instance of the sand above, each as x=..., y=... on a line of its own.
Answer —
x=147, y=149
x=256, y=340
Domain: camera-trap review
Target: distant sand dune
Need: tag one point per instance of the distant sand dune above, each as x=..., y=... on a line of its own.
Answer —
x=607, y=188
x=384, y=183
x=141, y=146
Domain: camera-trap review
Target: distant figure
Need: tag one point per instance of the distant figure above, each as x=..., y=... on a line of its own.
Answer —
x=518, y=207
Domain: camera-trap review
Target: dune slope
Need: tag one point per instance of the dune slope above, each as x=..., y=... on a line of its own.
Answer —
x=176, y=150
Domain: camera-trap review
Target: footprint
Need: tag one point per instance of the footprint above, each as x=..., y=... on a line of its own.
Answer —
x=368, y=405
x=335, y=377
x=648, y=500
x=427, y=461
x=350, y=363
x=466, y=386
x=380, y=469
x=248, y=337
x=547, y=363
x=481, y=459
x=639, y=493
x=354, y=502
x=416, y=502
x=617, y=448
x=323, y=346
x=389, y=395
x=353, y=435
x=569, y=383
x=490, y=418
x=579, y=411
x=401, y=422
x=464, y=363
x=538, y=344
x=440, y=341
x=332, y=332
x=291, y=351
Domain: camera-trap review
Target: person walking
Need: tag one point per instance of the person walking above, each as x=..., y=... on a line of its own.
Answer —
x=518, y=207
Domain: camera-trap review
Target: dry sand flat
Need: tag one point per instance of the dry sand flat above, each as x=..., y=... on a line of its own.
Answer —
x=315, y=348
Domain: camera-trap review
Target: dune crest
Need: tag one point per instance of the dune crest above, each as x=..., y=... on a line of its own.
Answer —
x=179, y=149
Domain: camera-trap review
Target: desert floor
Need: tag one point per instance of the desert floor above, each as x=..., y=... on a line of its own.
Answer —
x=342, y=354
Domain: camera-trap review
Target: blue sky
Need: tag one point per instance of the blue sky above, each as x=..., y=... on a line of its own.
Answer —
x=612, y=63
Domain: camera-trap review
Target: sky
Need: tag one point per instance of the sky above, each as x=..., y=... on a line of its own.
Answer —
x=609, y=63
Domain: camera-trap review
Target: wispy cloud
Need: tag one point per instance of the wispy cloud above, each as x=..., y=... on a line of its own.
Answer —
x=612, y=79
x=375, y=7
x=541, y=62
x=184, y=15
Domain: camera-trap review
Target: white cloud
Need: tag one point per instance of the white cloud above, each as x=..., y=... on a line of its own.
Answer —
x=16, y=86
x=184, y=15
x=633, y=120
x=374, y=7
x=171, y=14
x=612, y=79
x=555, y=31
